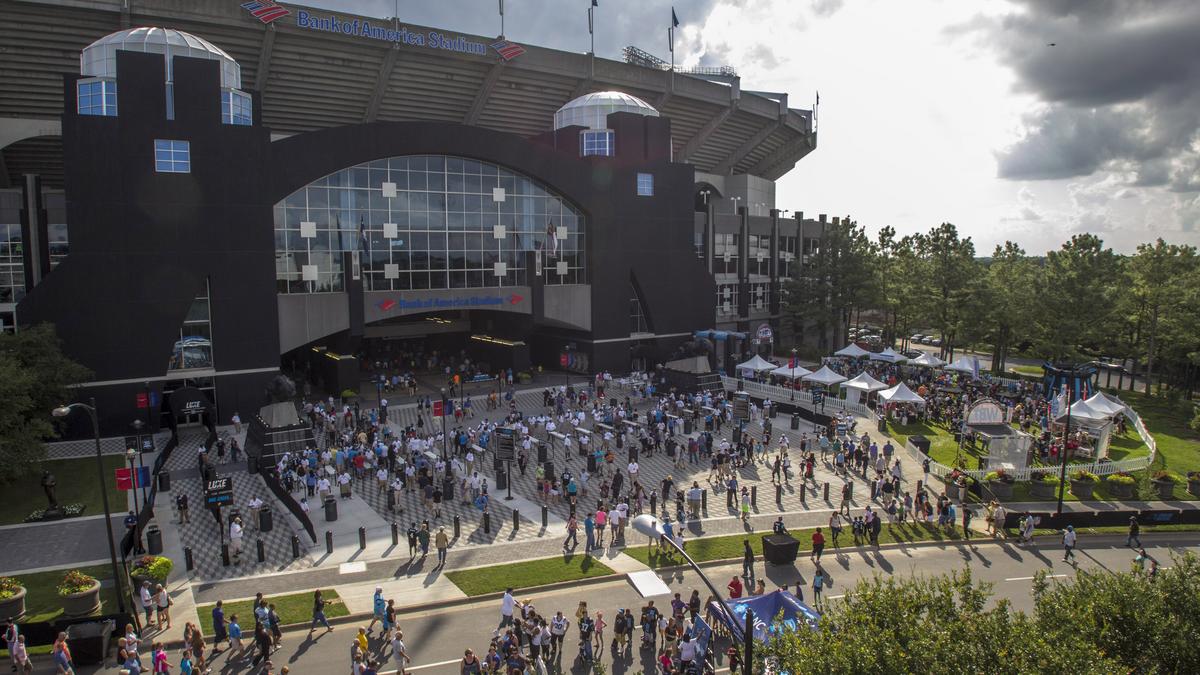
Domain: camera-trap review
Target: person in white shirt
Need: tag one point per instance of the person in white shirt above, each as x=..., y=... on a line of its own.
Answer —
x=633, y=472
x=470, y=461
x=343, y=480
x=235, y=537
x=255, y=505
x=323, y=487
x=382, y=476
x=507, y=606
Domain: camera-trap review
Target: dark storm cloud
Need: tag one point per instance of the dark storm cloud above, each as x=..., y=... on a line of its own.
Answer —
x=1121, y=84
x=559, y=24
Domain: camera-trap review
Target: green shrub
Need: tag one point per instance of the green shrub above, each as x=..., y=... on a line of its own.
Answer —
x=8, y=587
x=75, y=582
x=998, y=476
x=153, y=567
x=1083, y=475
x=1120, y=479
x=1165, y=475
x=1193, y=475
x=349, y=393
x=1048, y=478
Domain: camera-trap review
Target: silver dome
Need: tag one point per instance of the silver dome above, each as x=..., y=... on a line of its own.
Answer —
x=592, y=110
x=99, y=59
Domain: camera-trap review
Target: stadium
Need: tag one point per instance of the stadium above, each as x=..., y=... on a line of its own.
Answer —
x=195, y=193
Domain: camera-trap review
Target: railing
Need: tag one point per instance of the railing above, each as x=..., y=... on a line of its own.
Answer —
x=272, y=482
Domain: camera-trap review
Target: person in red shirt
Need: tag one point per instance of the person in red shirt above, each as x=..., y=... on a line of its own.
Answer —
x=818, y=545
x=735, y=588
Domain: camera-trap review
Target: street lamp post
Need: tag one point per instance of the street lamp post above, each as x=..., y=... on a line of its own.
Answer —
x=792, y=382
x=651, y=527
x=137, y=431
x=445, y=457
x=90, y=407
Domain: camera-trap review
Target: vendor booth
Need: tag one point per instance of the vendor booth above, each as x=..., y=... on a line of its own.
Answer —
x=861, y=386
x=790, y=373
x=968, y=365
x=927, y=360
x=754, y=366
x=888, y=355
x=825, y=377
x=1007, y=448
x=1096, y=428
x=899, y=400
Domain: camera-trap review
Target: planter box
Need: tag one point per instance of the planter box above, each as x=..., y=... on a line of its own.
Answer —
x=1164, y=488
x=1121, y=490
x=1001, y=489
x=955, y=492
x=1194, y=487
x=1041, y=490
x=1083, y=489
x=84, y=603
x=14, y=607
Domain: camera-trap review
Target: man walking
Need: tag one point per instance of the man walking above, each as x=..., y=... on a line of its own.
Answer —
x=1134, y=531
x=747, y=561
x=818, y=545
x=442, y=542
x=1069, y=544
x=967, y=516
x=181, y=503
x=572, y=539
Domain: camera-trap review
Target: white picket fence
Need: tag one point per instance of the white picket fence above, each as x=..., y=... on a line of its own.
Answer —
x=1099, y=468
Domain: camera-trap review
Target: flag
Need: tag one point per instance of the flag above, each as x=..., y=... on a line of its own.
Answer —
x=124, y=479
x=975, y=367
x=674, y=19
x=508, y=50
x=552, y=238
x=792, y=363
x=437, y=408
x=595, y=3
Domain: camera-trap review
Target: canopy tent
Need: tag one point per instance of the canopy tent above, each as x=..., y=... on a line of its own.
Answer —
x=790, y=373
x=852, y=350
x=966, y=364
x=889, y=355
x=1104, y=404
x=1082, y=412
x=863, y=384
x=732, y=614
x=824, y=376
x=756, y=364
x=928, y=360
x=900, y=394
x=1095, y=423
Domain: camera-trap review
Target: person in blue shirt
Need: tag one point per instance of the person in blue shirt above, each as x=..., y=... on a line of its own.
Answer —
x=235, y=635
x=218, y=620
x=379, y=605
x=589, y=527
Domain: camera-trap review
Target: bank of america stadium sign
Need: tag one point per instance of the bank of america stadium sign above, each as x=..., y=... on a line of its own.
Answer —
x=267, y=12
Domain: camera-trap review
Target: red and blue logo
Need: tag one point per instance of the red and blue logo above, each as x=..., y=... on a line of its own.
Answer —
x=265, y=10
x=508, y=50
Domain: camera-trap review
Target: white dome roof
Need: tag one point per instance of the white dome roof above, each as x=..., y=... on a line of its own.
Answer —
x=592, y=110
x=99, y=59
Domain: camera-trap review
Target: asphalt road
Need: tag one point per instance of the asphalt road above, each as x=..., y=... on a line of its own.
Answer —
x=436, y=639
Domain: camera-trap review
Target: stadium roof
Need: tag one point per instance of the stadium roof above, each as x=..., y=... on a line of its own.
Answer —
x=311, y=78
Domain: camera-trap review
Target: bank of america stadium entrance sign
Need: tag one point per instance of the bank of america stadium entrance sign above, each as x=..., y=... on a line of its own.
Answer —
x=384, y=32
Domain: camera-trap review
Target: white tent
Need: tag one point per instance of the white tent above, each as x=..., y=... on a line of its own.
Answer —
x=889, y=355
x=966, y=364
x=1081, y=413
x=861, y=385
x=900, y=394
x=927, y=360
x=852, y=350
x=1104, y=404
x=824, y=376
x=791, y=373
x=756, y=364
x=864, y=382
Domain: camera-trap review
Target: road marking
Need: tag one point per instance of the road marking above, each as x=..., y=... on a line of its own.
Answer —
x=409, y=669
x=1048, y=576
x=352, y=567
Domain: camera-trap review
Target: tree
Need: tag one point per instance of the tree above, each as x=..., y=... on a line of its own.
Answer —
x=1160, y=274
x=34, y=376
x=838, y=279
x=949, y=293
x=1012, y=284
x=1078, y=298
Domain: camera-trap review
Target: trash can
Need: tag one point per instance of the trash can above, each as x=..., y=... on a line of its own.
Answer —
x=251, y=464
x=447, y=488
x=89, y=641
x=266, y=522
x=501, y=480
x=882, y=425
x=164, y=481
x=330, y=509
x=154, y=545
x=687, y=426
x=795, y=421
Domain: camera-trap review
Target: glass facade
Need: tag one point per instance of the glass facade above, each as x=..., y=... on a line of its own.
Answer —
x=725, y=253
x=601, y=143
x=96, y=97
x=12, y=258
x=236, y=108
x=425, y=222
x=56, y=226
x=172, y=156
x=726, y=295
x=194, y=348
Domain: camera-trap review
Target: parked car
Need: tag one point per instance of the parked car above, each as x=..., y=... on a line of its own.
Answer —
x=926, y=340
x=916, y=338
x=937, y=342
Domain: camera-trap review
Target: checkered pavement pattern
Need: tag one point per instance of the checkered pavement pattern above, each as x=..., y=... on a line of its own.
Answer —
x=87, y=447
x=203, y=535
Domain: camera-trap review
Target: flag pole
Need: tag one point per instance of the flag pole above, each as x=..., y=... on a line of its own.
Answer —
x=501, y=19
x=592, y=36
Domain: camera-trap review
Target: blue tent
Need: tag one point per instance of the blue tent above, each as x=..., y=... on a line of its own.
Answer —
x=766, y=608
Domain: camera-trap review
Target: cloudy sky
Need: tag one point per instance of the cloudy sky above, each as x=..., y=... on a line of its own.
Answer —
x=936, y=110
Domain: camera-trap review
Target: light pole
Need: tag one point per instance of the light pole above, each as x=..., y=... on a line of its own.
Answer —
x=792, y=383
x=445, y=458
x=90, y=407
x=137, y=431
x=651, y=527
x=1062, y=471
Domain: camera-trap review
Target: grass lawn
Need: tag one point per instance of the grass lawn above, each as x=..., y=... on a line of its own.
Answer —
x=730, y=547
x=293, y=608
x=77, y=482
x=42, y=603
x=1027, y=370
x=1108, y=529
x=1178, y=446
x=942, y=446
x=483, y=580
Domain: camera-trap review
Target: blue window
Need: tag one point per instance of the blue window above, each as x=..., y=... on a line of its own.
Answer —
x=596, y=142
x=172, y=156
x=97, y=97
x=645, y=185
x=236, y=108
